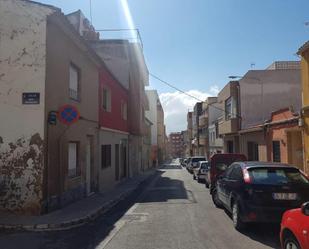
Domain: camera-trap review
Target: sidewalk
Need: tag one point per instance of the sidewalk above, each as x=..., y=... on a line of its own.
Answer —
x=77, y=213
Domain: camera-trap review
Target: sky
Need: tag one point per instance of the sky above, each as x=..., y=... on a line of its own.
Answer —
x=196, y=44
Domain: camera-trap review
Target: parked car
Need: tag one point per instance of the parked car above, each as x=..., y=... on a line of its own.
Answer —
x=200, y=171
x=218, y=164
x=193, y=163
x=260, y=192
x=207, y=176
x=295, y=228
x=184, y=162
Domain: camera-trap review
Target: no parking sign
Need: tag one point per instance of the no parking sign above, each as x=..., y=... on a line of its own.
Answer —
x=68, y=114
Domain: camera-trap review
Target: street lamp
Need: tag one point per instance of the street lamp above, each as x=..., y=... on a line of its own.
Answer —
x=262, y=89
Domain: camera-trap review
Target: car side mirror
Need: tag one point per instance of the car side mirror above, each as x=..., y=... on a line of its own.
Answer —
x=305, y=208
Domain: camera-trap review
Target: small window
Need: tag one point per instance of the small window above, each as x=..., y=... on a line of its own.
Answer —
x=276, y=151
x=217, y=130
x=72, y=159
x=106, y=157
x=124, y=110
x=74, y=82
x=106, y=99
x=228, y=108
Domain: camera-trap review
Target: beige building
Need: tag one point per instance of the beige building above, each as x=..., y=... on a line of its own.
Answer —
x=189, y=150
x=249, y=103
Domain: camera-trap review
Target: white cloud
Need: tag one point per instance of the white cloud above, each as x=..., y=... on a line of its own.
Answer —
x=176, y=106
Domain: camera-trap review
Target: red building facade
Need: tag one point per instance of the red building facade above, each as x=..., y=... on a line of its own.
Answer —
x=113, y=101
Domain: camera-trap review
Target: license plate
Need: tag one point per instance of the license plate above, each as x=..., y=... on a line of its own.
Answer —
x=285, y=196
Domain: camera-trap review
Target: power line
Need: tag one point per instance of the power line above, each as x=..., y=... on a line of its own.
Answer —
x=176, y=88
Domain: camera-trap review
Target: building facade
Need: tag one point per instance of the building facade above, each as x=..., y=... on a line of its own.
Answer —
x=197, y=111
x=304, y=53
x=189, y=147
x=48, y=67
x=229, y=120
x=126, y=62
x=176, y=144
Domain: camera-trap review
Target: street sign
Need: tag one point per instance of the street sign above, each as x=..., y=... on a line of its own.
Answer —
x=31, y=98
x=68, y=114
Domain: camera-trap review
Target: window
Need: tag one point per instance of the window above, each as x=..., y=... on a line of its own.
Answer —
x=72, y=159
x=276, y=151
x=277, y=176
x=74, y=82
x=217, y=129
x=229, y=108
x=106, y=156
x=106, y=99
x=124, y=110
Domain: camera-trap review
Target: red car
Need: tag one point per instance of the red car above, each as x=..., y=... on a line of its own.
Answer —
x=294, y=232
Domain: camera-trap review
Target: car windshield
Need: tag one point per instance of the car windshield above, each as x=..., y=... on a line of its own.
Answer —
x=274, y=176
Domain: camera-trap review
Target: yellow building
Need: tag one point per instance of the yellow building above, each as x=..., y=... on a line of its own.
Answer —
x=304, y=53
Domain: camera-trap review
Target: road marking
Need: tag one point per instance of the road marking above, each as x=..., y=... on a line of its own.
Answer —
x=122, y=222
x=119, y=224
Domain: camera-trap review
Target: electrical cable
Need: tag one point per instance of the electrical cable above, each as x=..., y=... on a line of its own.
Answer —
x=178, y=89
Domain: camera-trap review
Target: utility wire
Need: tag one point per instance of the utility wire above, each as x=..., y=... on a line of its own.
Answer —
x=176, y=88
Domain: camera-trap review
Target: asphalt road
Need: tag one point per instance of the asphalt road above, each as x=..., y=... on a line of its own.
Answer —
x=170, y=211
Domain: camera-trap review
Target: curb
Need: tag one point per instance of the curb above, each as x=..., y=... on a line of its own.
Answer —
x=77, y=222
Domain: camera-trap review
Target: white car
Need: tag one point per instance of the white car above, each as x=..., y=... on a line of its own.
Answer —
x=199, y=172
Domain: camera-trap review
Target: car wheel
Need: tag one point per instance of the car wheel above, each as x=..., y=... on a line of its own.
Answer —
x=194, y=177
x=215, y=199
x=198, y=180
x=237, y=222
x=207, y=185
x=290, y=242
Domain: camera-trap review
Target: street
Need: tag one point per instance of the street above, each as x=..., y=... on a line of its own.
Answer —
x=170, y=211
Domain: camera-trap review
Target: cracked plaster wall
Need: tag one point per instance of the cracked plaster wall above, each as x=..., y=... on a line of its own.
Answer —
x=22, y=69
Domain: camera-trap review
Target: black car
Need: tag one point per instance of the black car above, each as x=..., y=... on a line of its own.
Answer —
x=260, y=192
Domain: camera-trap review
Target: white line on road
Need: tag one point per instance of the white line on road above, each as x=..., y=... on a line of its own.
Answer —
x=121, y=223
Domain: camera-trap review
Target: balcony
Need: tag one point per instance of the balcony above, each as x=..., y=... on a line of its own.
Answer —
x=203, y=139
x=203, y=121
x=228, y=126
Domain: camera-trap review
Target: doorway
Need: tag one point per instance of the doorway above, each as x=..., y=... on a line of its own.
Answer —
x=116, y=162
x=90, y=166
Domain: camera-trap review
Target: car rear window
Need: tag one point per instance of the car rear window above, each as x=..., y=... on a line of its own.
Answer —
x=197, y=159
x=277, y=176
x=205, y=165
